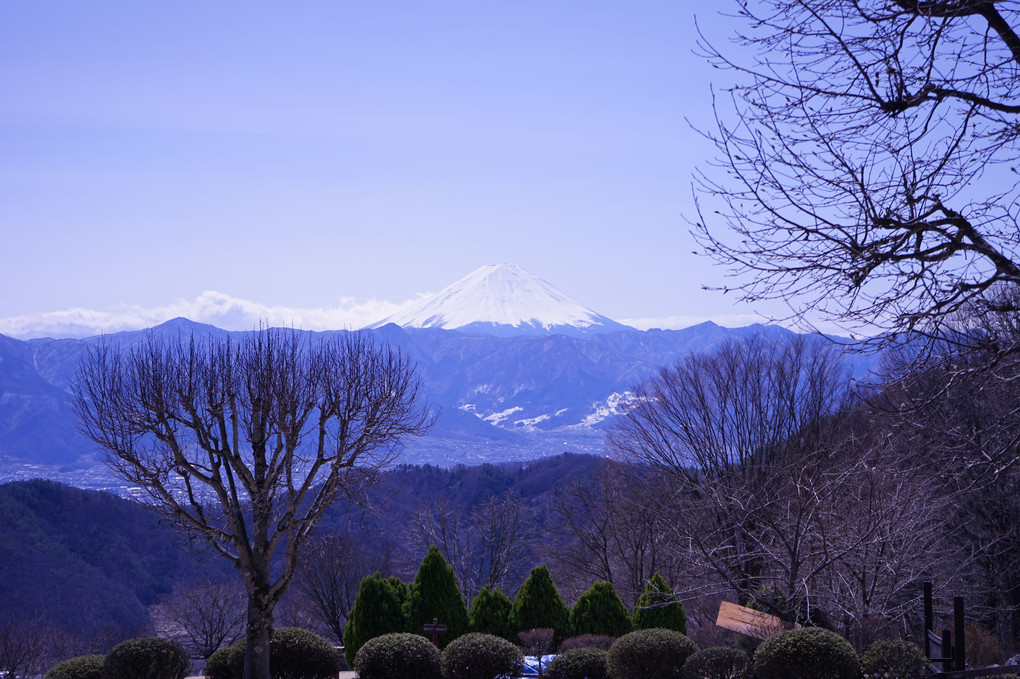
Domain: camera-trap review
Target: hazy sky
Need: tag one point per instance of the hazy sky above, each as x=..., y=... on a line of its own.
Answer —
x=331, y=160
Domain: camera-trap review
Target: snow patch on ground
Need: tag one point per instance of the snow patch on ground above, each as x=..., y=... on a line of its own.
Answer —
x=530, y=422
x=496, y=418
x=616, y=404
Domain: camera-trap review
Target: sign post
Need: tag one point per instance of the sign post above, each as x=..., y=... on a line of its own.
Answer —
x=436, y=629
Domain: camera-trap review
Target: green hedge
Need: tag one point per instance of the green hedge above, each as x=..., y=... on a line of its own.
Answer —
x=146, y=658
x=650, y=654
x=894, y=660
x=481, y=656
x=82, y=667
x=579, y=663
x=806, y=653
x=294, y=653
x=718, y=662
x=398, y=656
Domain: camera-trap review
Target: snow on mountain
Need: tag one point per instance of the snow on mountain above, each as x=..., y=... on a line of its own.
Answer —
x=503, y=299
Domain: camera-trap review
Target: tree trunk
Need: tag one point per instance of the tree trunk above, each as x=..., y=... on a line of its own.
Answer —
x=259, y=631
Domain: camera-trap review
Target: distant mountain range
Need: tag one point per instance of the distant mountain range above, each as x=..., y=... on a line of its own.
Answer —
x=507, y=383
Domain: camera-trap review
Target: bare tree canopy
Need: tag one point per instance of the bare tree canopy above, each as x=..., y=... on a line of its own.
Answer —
x=484, y=546
x=246, y=442
x=203, y=617
x=772, y=481
x=868, y=159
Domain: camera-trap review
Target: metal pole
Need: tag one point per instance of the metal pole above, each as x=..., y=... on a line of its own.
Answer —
x=928, y=618
x=960, y=649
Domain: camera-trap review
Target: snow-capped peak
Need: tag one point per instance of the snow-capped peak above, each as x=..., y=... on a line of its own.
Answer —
x=503, y=299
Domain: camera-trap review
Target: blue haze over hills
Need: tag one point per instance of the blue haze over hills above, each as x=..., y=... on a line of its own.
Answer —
x=503, y=391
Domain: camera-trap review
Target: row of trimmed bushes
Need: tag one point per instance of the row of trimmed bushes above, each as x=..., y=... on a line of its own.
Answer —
x=148, y=658
x=807, y=653
x=294, y=653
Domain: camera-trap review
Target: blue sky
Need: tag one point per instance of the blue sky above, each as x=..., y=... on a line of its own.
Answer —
x=332, y=160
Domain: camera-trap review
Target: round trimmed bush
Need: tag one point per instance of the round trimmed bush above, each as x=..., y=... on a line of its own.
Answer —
x=481, y=656
x=718, y=662
x=226, y=662
x=654, y=653
x=579, y=663
x=82, y=667
x=296, y=653
x=894, y=660
x=806, y=653
x=146, y=658
x=398, y=656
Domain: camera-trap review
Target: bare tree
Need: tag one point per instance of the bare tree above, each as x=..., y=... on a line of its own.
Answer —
x=605, y=530
x=867, y=159
x=245, y=443
x=203, y=616
x=484, y=547
x=331, y=572
x=743, y=436
x=23, y=648
x=776, y=477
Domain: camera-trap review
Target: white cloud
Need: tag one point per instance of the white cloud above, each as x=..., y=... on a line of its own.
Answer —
x=214, y=308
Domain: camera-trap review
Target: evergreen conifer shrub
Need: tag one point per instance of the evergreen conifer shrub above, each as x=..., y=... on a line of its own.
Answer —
x=718, y=662
x=600, y=611
x=376, y=611
x=490, y=613
x=481, y=656
x=806, y=653
x=148, y=658
x=898, y=659
x=434, y=595
x=650, y=654
x=658, y=607
x=579, y=663
x=398, y=656
x=82, y=667
x=539, y=605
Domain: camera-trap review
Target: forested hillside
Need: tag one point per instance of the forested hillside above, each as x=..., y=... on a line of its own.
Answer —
x=86, y=560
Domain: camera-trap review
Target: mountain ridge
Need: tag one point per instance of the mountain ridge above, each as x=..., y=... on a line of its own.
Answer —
x=503, y=300
x=497, y=398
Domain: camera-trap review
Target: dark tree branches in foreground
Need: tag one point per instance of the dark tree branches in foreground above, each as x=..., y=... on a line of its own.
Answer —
x=867, y=160
x=244, y=443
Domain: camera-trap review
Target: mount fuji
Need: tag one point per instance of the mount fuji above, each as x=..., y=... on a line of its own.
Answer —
x=504, y=300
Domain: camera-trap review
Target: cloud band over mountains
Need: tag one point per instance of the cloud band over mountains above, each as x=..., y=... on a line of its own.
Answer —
x=214, y=308
x=233, y=313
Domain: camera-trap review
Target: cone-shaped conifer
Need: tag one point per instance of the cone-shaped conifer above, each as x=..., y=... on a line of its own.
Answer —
x=376, y=611
x=490, y=613
x=658, y=607
x=538, y=604
x=600, y=611
x=434, y=595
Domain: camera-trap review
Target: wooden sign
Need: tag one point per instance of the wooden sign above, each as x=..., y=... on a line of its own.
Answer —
x=749, y=621
x=436, y=630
